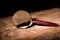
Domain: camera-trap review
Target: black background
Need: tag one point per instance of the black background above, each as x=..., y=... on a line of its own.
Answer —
x=9, y=7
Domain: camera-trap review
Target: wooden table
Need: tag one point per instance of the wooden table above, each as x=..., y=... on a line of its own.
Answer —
x=8, y=31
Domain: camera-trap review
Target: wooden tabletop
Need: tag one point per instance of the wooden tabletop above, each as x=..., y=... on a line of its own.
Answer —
x=8, y=31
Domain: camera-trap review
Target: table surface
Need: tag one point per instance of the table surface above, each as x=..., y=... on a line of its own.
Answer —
x=8, y=31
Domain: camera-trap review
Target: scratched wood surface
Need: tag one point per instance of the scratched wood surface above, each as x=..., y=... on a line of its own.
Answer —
x=8, y=31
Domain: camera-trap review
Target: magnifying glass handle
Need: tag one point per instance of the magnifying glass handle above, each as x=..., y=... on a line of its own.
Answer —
x=45, y=23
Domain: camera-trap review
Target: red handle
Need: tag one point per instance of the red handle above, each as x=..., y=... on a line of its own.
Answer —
x=45, y=23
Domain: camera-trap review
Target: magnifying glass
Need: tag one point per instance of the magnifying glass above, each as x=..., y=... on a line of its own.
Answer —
x=22, y=19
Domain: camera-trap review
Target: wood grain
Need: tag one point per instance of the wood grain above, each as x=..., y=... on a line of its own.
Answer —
x=10, y=32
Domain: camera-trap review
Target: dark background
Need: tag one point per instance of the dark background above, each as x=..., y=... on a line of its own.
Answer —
x=9, y=7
